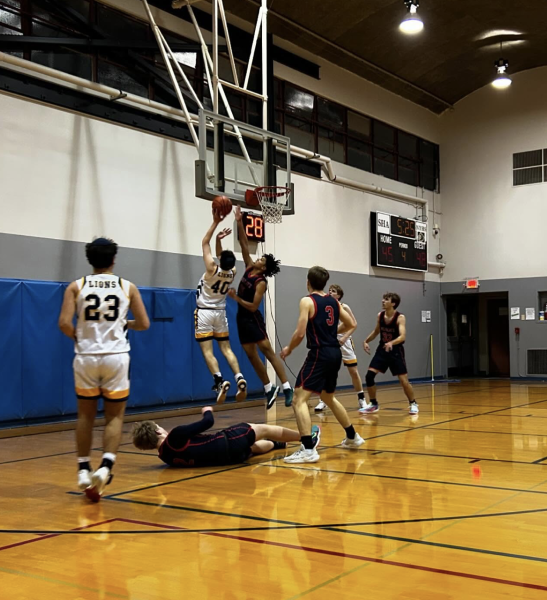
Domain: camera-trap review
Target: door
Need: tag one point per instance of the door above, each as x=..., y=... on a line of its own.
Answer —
x=462, y=335
x=498, y=337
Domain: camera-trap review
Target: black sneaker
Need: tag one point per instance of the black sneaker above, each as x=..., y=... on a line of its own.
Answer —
x=271, y=396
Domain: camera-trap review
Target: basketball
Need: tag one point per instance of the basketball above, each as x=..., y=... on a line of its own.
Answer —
x=222, y=205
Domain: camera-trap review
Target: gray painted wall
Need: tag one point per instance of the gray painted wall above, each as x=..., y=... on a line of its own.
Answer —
x=363, y=293
x=522, y=293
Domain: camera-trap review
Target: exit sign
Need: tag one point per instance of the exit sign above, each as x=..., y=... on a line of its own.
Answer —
x=472, y=284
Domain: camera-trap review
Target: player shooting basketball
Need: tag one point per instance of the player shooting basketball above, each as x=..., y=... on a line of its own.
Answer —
x=250, y=322
x=210, y=315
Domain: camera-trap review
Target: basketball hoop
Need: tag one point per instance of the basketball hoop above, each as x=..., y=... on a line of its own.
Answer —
x=273, y=200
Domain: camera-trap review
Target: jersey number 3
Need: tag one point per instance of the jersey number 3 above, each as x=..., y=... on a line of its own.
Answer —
x=92, y=312
x=330, y=311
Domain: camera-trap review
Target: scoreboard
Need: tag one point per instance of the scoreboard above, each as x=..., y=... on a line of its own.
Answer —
x=398, y=242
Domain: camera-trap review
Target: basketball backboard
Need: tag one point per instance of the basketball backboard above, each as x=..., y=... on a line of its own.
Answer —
x=235, y=157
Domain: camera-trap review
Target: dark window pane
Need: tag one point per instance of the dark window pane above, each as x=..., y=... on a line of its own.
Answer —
x=120, y=26
x=68, y=62
x=408, y=171
x=300, y=132
x=279, y=122
x=331, y=144
x=329, y=113
x=408, y=145
x=384, y=136
x=11, y=18
x=14, y=3
x=384, y=163
x=358, y=125
x=533, y=158
x=359, y=155
x=278, y=94
x=527, y=176
x=114, y=76
x=8, y=31
x=43, y=30
x=299, y=102
x=428, y=151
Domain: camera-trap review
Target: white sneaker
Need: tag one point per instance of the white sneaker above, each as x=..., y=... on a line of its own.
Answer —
x=354, y=443
x=222, y=391
x=362, y=403
x=99, y=480
x=303, y=456
x=241, y=390
x=84, y=479
x=320, y=407
x=413, y=409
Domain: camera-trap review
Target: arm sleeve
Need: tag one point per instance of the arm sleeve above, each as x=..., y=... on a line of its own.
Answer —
x=182, y=433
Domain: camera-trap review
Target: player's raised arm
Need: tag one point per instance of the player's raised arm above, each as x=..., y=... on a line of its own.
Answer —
x=255, y=304
x=374, y=333
x=243, y=241
x=141, y=321
x=306, y=310
x=67, y=311
x=208, y=259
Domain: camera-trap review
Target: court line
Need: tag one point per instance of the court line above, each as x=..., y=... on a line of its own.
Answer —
x=495, y=432
x=375, y=475
x=537, y=462
x=7, y=462
x=45, y=537
x=46, y=533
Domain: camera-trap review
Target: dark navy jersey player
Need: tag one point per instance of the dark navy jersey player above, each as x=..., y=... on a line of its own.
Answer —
x=391, y=327
x=250, y=322
x=318, y=321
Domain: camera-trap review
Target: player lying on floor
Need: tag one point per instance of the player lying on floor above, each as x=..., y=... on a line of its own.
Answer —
x=188, y=446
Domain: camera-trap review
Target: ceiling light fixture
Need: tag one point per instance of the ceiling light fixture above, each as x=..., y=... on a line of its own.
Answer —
x=412, y=24
x=502, y=81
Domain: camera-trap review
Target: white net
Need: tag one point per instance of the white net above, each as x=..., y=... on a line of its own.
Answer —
x=272, y=202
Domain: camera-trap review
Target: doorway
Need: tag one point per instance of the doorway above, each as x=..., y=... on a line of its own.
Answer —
x=478, y=335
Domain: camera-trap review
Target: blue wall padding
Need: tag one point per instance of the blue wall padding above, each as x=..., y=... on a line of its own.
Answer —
x=167, y=367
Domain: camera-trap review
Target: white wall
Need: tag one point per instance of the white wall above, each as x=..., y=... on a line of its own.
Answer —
x=69, y=177
x=491, y=229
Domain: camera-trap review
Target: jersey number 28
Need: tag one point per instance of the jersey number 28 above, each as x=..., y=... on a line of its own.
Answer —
x=92, y=312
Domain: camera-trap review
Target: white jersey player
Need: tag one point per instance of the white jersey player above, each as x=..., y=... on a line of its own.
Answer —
x=210, y=315
x=348, y=353
x=100, y=302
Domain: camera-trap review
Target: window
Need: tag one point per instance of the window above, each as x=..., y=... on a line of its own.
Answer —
x=320, y=125
x=529, y=167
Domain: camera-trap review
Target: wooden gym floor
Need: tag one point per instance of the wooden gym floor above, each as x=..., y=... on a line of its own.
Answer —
x=451, y=504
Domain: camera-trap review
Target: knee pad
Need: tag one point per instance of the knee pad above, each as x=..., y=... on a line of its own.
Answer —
x=369, y=378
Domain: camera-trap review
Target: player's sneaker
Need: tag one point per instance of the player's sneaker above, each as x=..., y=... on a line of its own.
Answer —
x=362, y=403
x=271, y=396
x=84, y=479
x=99, y=480
x=241, y=390
x=303, y=456
x=289, y=393
x=354, y=443
x=221, y=389
x=315, y=435
x=320, y=407
x=413, y=408
x=371, y=408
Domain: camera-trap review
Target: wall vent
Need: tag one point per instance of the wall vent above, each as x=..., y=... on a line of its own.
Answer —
x=529, y=167
x=537, y=361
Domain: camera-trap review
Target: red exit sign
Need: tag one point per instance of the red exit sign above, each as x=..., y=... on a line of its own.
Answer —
x=472, y=284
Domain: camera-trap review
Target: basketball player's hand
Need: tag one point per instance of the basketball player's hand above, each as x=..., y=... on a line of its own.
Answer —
x=217, y=217
x=366, y=348
x=285, y=352
x=206, y=409
x=388, y=346
x=343, y=340
x=224, y=233
x=232, y=293
x=237, y=213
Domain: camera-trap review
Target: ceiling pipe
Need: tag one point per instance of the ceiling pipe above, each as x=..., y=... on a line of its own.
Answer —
x=150, y=105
